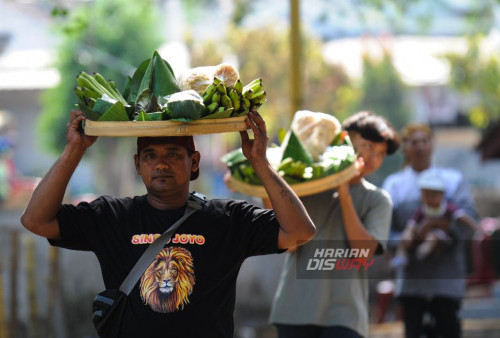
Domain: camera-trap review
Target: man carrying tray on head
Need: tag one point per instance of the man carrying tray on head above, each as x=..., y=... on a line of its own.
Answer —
x=189, y=290
x=314, y=297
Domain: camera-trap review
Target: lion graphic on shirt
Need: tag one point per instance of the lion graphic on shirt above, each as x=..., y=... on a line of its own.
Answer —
x=169, y=280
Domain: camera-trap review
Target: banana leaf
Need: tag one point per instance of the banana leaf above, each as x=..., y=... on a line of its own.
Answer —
x=292, y=147
x=243, y=113
x=157, y=80
x=87, y=112
x=337, y=158
x=143, y=116
x=236, y=174
x=135, y=82
x=181, y=119
x=130, y=111
x=164, y=81
x=233, y=157
x=185, y=104
x=102, y=105
x=126, y=89
x=116, y=112
x=347, y=162
x=157, y=116
x=317, y=171
x=147, y=77
x=291, y=180
x=146, y=102
x=144, y=92
x=248, y=174
x=162, y=101
x=170, y=69
x=219, y=115
x=336, y=139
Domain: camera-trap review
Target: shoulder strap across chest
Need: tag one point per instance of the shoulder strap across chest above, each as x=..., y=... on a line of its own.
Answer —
x=195, y=203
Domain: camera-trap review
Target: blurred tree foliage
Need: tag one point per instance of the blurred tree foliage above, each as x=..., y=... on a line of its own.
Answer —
x=478, y=17
x=326, y=88
x=110, y=37
x=478, y=76
x=241, y=8
x=383, y=91
x=105, y=36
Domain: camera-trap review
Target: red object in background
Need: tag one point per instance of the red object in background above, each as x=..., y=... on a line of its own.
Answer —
x=21, y=189
x=482, y=257
x=83, y=198
x=386, y=301
x=385, y=295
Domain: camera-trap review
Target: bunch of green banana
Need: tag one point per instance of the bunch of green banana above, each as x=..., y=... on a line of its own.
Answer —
x=99, y=99
x=218, y=97
x=91, y=88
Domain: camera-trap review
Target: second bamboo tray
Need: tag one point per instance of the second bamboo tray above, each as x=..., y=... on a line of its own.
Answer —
x=164, y=128
x=301, y=189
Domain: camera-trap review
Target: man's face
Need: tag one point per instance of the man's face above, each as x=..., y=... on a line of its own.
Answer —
x=418, y=147
x=165, y=167
x=373, y=153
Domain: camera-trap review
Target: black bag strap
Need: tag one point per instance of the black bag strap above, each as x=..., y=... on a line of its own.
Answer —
x=195, y=203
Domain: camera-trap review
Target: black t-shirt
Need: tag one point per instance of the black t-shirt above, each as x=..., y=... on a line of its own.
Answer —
x=189, y=290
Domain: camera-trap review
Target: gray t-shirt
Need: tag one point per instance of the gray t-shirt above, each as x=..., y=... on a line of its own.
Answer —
x=340, y=297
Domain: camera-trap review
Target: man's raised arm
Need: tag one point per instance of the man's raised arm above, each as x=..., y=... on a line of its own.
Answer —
x=296, y=227
x=40, y=214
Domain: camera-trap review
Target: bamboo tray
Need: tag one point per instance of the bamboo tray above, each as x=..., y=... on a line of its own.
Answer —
x=164, y=128
x=301, y=189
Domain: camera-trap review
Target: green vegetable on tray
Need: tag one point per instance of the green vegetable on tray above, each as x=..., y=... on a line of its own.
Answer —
x=100, y=100
x=295, y=164
x=154, y=94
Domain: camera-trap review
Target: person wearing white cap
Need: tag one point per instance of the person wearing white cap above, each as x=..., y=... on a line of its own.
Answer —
x=431, y=260
x=427, y=231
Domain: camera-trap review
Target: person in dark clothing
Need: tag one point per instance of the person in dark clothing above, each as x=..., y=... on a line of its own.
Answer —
x=189, y=289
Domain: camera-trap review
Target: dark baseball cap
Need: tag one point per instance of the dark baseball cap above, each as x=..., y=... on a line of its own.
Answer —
x=184, y=141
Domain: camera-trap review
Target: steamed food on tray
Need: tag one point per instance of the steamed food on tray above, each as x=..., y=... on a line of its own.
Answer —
x=315, y=155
